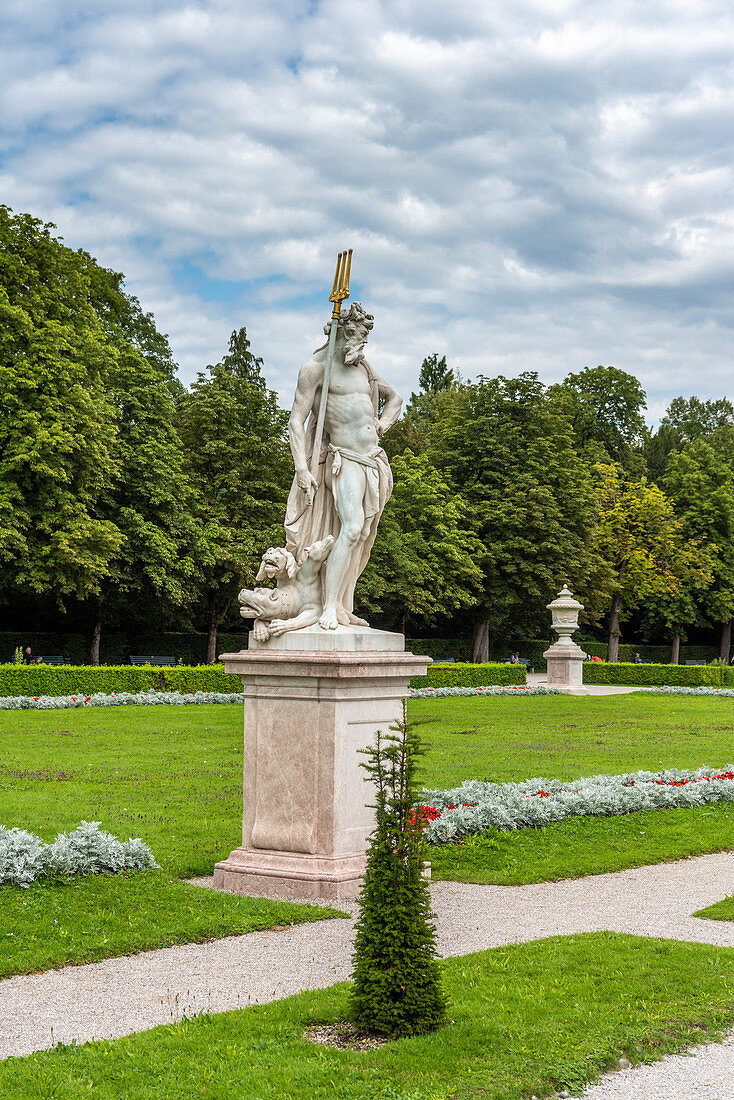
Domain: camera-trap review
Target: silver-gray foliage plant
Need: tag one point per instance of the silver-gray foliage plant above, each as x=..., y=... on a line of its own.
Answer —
x=21, y=856
x=120, y=699
x=478, y=806
x=87, y=850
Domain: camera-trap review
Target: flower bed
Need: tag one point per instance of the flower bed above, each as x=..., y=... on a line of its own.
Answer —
x=477, y=806
x=87, y=850
x=724, y=693
x=489, y=689
x=124, y=699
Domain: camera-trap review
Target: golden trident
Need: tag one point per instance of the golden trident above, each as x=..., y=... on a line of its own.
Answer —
x=340, y=291
x=339, y=294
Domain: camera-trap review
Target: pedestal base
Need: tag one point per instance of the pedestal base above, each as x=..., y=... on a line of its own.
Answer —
x=268, y=874
x=313, y=699
x=565, y=663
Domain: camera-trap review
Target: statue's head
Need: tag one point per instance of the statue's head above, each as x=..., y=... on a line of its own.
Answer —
x=355, y=325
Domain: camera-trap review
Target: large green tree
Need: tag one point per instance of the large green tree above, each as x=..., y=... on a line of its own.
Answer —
x=605, y=408
x=150, y=500
x=508, y=450
x=424, y=562
x=644, y=543
x=237, y=457
x=58, y=430
x=700, y=482
x=687, y=420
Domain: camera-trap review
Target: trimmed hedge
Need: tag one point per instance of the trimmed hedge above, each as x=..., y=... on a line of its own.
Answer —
x=632, y=675
x=468, y=675
x=87, y=679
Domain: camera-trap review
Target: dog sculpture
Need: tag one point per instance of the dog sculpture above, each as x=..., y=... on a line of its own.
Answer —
x=296, y=600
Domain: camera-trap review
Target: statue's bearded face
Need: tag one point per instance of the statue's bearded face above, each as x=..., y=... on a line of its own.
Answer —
x=356, y=326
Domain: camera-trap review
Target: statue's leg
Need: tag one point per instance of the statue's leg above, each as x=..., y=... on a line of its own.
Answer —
x=349, y=495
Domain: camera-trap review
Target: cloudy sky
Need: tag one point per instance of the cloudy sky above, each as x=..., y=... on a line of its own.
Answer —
x=541, y=184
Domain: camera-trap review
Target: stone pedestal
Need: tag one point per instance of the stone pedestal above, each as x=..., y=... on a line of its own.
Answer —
x=313, y=698
x=566, y=667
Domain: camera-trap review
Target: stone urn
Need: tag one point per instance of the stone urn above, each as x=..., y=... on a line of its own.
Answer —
x=564, y=658
x=565, y=614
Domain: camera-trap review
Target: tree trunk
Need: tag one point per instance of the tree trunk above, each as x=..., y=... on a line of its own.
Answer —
x=212, y=627
x=214, y=621
x=613, y=646
x=725, y=650
x=675, y=650
x=480, y=642
x=96, y=635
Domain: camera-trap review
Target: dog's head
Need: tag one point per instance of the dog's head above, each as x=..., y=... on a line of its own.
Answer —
x=266, y=603
x=277, y=564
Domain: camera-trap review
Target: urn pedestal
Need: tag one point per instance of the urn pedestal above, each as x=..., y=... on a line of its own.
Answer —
x=565, y=659
x=313, y=699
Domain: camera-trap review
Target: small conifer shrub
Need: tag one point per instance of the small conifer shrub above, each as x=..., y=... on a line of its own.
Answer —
x=396, y=983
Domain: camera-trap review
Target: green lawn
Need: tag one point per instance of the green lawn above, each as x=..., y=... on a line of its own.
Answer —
x=173, y=775
x=721, y=910
x=527, y=1019
x=586, y=846
x=565, y=736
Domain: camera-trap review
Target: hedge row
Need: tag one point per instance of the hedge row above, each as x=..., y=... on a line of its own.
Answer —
x=658, y=675
x=111, y=679
x=86, y=679
x=467, y=675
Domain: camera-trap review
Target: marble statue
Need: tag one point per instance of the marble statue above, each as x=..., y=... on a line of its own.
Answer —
x=342, y=480
x=354, y=480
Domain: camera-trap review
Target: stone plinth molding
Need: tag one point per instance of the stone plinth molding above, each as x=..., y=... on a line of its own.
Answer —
x=307, y=713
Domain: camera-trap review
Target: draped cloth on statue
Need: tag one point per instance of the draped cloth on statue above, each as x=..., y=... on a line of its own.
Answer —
x=305, y=524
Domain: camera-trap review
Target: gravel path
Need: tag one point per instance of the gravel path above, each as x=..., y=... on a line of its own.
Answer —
x=706, y=1074
x=124, y=995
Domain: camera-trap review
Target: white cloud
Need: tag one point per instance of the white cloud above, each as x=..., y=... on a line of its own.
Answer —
x=543, y=185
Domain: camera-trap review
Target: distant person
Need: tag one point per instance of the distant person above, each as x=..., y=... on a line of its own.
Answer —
x=638, y=659
x=27, y=656
x=516, y=659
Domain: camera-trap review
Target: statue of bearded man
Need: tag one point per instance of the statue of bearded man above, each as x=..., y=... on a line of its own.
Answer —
x=354, y=479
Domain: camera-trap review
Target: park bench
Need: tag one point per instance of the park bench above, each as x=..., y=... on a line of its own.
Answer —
x=56, y=659
x=696, y=662
x=152, y=660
